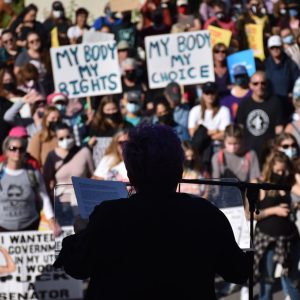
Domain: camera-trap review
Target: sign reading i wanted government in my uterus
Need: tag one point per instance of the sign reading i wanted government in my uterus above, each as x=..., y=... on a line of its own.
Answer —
x=183, y=57
x=86, y=69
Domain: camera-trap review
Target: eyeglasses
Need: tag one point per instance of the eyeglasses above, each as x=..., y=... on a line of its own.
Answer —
x=286, y=146
x=7, y=41
x=15, y=149
x=255, y=83
x=34, y=41
x=220, y=51
x=64, y=138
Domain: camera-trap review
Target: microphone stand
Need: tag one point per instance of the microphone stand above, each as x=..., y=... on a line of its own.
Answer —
x=251, y=191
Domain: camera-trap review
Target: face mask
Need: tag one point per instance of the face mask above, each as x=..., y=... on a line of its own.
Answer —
x=182, y=10
x=132, y=107
x=57, y=14
x=293, y=12
x=241, y=81
x=130, y=75
x=189, y=163
x=283, y=11
x=40, y=114
x=108, y=12
x=220, y=15
x=166, y=119
x=30, y=83
x=115, y=117
x=61, y=108
x=254, y=9
x=52, y=125
x=9, y=86
x=288, y=39
x=290, y=152
x=276, y=178
x=66, y=144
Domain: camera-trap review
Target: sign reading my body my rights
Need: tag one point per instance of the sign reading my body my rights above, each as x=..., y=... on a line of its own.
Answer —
x=86, y=69
x=183, y=57
x=26, y=271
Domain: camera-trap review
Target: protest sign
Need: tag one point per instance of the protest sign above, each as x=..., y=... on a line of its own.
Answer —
x=30, y=275
x=254, y=34
x=92, y=36
x=86, y=69
x=124, y=5
x=183, y=57
x=219, y=35
x=245, y=58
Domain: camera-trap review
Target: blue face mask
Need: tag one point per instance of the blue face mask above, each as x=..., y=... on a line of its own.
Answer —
x=293, y=12
x=288, y=39
x=61, y=108
x=132, y=107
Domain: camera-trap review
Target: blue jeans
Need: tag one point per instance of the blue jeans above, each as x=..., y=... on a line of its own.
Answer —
x=287, y=282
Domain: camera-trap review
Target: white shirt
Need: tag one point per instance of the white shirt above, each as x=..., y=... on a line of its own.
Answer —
x=75, y=32
x=217, y=122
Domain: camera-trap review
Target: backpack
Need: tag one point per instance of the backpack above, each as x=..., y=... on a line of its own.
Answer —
x=33, y=183
x=227, y=173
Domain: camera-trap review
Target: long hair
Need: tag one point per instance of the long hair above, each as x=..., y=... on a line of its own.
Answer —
x=21, y=16
x=4, y=93
x=266, y=174
x=216, y=107
x=112, y=149
x=45, y=133
x=99, y=122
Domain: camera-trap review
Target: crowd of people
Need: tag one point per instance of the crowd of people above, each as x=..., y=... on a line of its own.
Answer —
x=247, y=129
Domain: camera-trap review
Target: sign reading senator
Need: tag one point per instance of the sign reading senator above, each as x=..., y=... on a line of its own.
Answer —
x=86, y=69
x=183, y=57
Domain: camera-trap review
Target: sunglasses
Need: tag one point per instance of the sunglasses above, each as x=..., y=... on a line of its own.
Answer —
x=255, y=83
x=220, y=51
x=274, y=47
x=34, y=41
x=209, y=92
x=64, y=138
x=121, y=143
x=286, y=146
x=15, y=149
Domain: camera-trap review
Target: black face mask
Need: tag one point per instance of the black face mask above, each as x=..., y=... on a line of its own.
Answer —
x=52, y=125
x=189, y=163
x=9, y=86
x=115, y=117
x=166, y=119
x=40, y=114
x=276, y=178
x=130, y=75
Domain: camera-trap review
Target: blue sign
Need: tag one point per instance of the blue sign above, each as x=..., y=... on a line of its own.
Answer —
x=245, y=58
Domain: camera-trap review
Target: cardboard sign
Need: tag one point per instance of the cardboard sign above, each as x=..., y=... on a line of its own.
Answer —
x=183, y=57
x=124, y=5
x=245, y=58
x=86, y=69
x=219, y=35
x=254, y=34
x=26, y=270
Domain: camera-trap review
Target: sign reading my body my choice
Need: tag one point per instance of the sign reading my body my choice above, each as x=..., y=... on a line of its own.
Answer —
x=183, y=57
x=86, y=69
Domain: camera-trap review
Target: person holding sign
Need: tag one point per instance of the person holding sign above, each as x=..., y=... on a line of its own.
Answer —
x=154, y=245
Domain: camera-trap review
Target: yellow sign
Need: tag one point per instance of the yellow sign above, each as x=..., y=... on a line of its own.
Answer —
x=254, y=34
x=219, y=35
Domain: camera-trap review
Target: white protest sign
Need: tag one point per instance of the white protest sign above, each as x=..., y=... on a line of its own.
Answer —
x=92, y=36
x=183, y=57
x=31, y=275
x=86, y=69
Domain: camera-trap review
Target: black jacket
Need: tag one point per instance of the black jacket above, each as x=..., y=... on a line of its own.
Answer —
x=164, y=246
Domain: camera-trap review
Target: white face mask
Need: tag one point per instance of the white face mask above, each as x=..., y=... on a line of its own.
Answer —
x=57, y=14
x=290, y=152
x=66, y=144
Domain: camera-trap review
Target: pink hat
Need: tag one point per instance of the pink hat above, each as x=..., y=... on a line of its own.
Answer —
x=54, y=97
x=18, y=132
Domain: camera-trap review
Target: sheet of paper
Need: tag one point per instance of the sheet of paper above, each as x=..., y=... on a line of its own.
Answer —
x=90, y=192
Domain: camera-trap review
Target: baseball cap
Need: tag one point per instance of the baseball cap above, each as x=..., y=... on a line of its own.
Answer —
x=209, y=87
x=122, y=45
x=54, y=97
x=182, y=2
x=133, y=96
x=57, y=5
x=18, y=132
x=239, y=70
x=274, y=41
x=173, y=91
